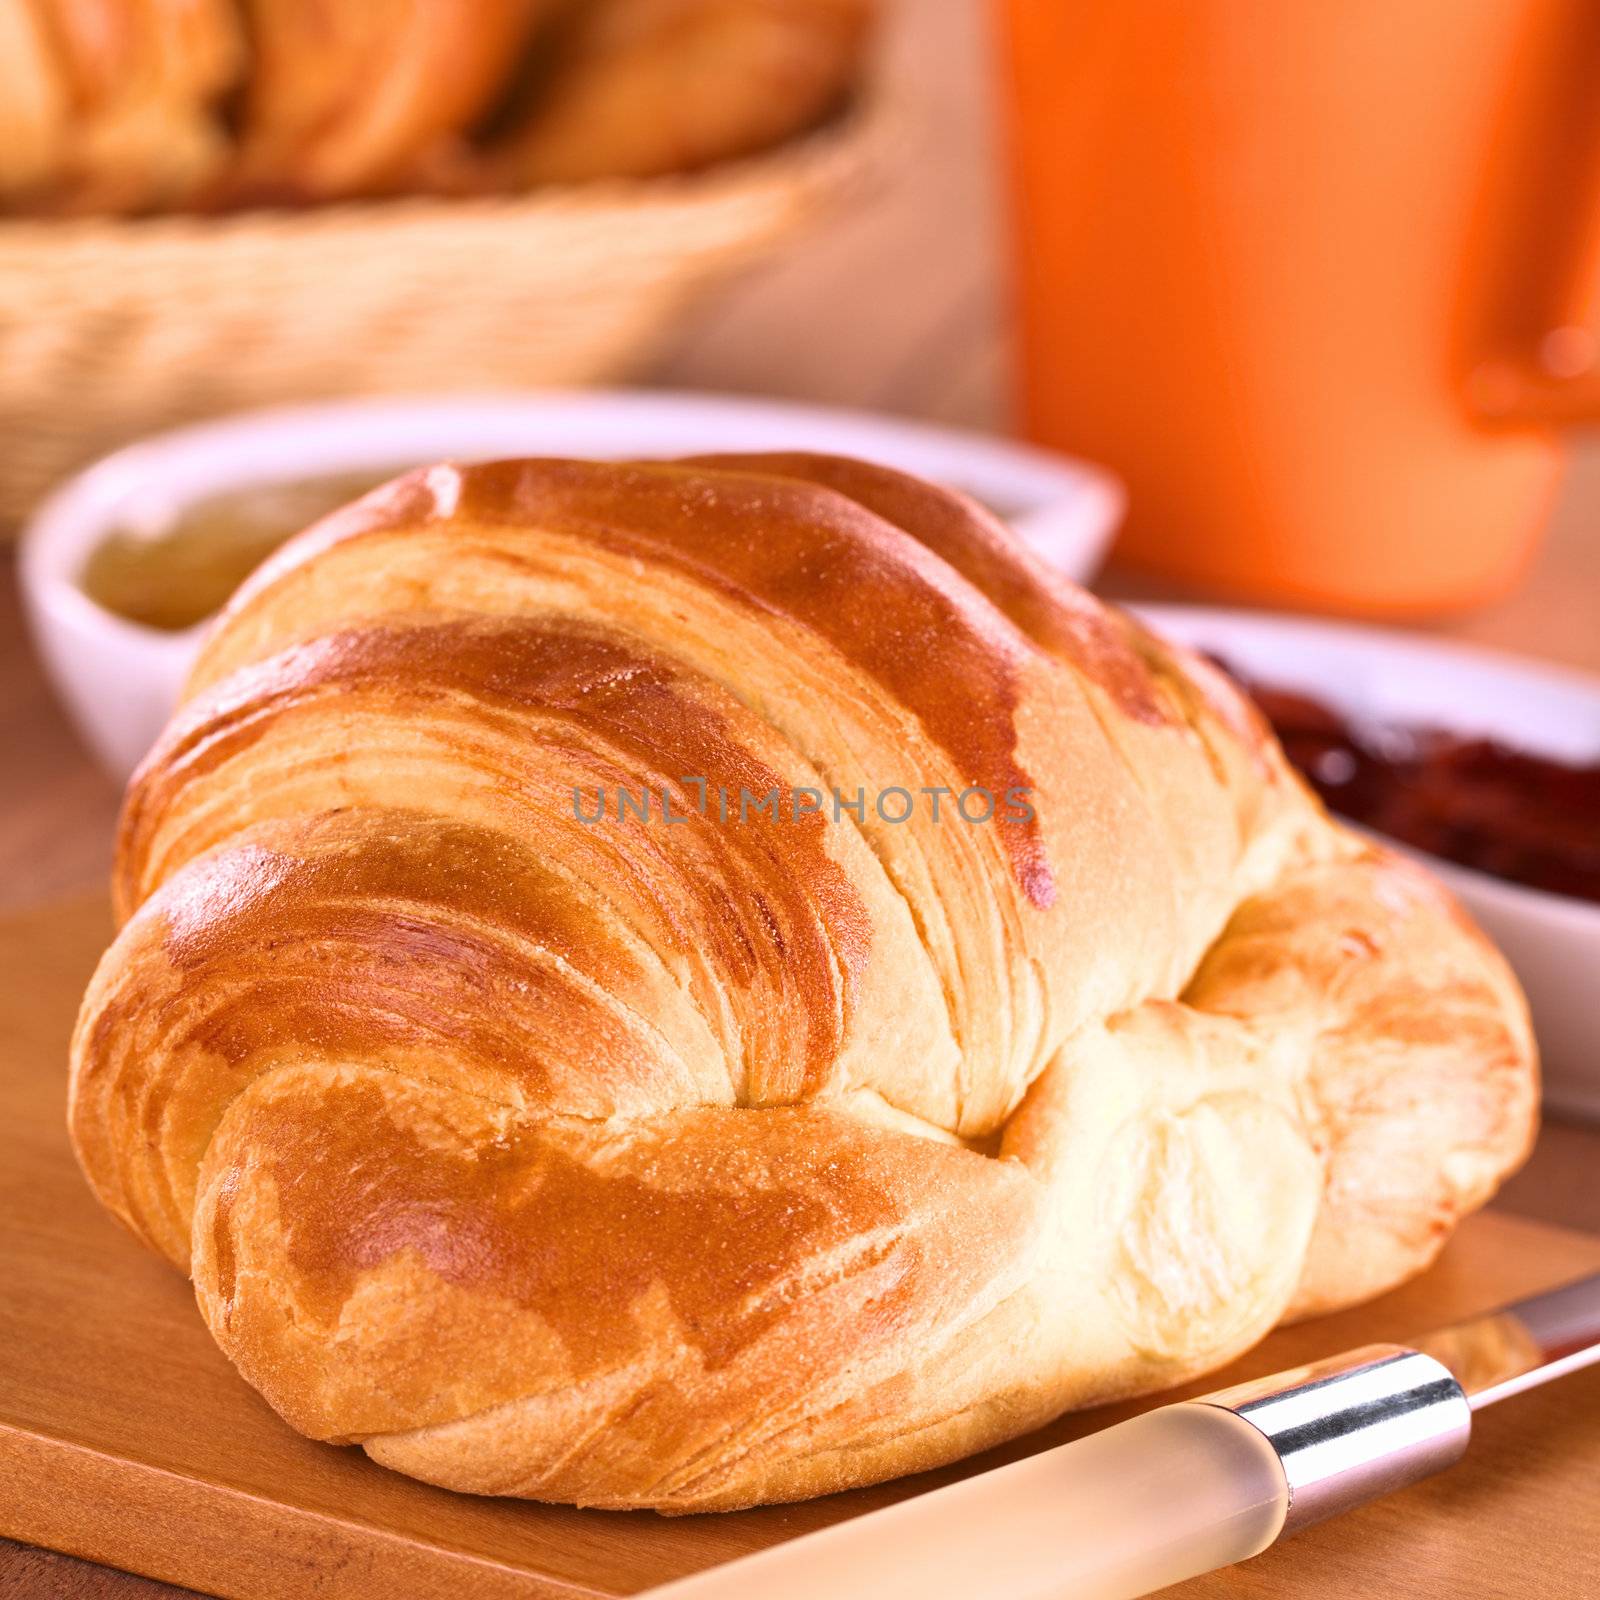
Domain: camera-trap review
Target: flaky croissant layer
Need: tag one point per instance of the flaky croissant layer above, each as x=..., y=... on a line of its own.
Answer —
x=701, y=1162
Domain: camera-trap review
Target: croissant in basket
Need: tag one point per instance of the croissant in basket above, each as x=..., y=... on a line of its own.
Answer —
x=106, y=105
x=128, y=106
x=348, y=98
x=637, y=88
x=966, y=1016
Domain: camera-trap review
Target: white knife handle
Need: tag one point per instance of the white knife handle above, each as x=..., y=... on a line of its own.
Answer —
x=1150, y=1502
x=1162, y=1497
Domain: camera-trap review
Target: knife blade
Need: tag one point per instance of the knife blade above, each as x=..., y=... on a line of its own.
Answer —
x=1520, y=1346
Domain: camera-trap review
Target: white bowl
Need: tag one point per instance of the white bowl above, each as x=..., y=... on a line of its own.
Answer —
x=120, y=679
x=1381, y=675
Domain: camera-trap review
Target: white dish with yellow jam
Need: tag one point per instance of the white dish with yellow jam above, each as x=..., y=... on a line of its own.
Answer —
x=123, y=564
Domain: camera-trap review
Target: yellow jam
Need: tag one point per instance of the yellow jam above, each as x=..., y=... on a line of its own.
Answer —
x=177, y=575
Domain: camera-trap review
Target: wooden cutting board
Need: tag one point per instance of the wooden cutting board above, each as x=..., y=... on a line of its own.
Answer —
x=127, y=1438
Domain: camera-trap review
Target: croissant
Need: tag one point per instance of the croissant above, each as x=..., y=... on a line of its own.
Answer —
x=638, y=88
x=353, y=99
x=965, y=1015
x=113, y=105
x=33, y=102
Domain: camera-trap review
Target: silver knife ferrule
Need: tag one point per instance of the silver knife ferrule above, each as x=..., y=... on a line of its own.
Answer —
x=1352, y=1428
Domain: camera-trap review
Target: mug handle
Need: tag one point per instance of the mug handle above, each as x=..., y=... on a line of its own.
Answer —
x=1544, y=371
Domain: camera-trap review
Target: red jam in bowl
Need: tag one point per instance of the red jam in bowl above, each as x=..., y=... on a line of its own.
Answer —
x=1523, y=817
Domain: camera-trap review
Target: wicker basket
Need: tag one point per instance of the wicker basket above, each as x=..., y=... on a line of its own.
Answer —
x=111, y=329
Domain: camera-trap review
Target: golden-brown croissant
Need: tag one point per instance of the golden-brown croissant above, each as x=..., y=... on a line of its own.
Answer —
x=1028, y=1037
x=113, y=105
x=352, y=97
x=637, y=88
x=33, y=102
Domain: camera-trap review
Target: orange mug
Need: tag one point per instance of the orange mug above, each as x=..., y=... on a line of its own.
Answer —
x=1318, y=278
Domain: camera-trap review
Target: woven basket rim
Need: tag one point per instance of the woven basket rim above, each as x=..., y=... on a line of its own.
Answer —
x=851, y=141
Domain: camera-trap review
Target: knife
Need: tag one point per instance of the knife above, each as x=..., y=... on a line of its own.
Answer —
x=1189, y=1487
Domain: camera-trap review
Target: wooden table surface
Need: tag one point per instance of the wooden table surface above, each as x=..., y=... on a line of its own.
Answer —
x=896, y=306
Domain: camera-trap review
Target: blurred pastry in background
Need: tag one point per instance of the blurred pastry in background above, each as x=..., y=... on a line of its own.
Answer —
x=349, y=97
x=637, y=88
x=135, y=106
x=33, y=113
x=113, y=105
